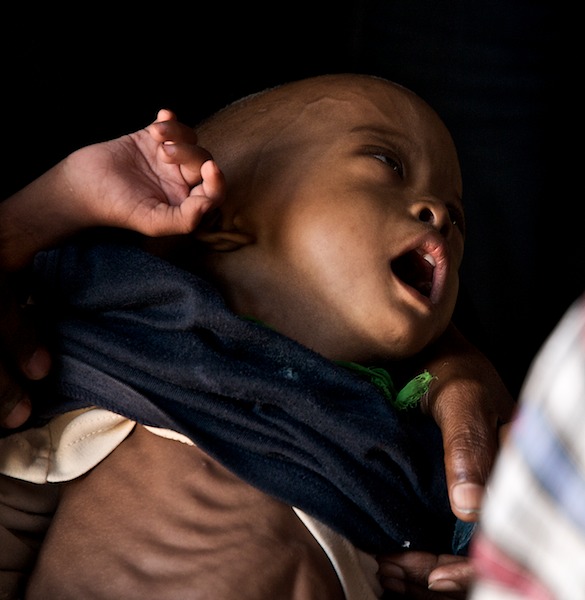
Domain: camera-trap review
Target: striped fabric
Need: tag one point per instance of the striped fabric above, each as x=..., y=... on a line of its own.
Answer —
x=531, y=543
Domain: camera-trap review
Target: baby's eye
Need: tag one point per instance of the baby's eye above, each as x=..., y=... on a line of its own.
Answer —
x=390, y=160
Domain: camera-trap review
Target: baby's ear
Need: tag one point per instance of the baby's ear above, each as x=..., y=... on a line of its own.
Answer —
x=214, y=233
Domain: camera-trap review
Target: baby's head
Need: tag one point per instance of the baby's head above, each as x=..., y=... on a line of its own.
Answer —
x=343, y=224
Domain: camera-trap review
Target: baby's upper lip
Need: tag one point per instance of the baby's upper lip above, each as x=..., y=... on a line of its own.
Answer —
x=423, y=266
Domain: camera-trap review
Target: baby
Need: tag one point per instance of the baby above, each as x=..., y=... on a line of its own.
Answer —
x=333, y=233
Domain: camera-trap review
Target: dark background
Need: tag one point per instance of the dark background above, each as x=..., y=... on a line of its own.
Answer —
x=495, y=70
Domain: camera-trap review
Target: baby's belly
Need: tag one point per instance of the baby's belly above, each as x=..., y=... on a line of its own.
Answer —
x=159, y=519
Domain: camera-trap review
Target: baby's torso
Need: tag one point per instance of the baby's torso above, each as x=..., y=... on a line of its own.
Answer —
x=160, y=519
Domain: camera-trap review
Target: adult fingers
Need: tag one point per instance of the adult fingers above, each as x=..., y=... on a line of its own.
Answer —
x=469, y=402
x=22, y=358
x=426, y=576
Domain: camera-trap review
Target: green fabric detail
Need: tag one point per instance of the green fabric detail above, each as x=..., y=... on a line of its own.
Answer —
x=408, y=397
x=376, y=375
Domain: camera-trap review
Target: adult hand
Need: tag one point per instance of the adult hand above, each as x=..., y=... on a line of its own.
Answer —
x=473, y=408
x=470, y=403
x=22, y=357
x=425, y=576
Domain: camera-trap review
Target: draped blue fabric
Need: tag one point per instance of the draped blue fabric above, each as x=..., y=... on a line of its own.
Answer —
x=141, y=337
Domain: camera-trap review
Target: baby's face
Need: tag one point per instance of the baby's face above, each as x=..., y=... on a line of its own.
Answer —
x=359, y=237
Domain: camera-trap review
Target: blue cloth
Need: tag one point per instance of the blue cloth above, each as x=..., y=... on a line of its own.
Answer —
x=148, y=340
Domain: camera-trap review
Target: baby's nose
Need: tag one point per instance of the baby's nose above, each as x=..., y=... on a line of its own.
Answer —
x=438, y=216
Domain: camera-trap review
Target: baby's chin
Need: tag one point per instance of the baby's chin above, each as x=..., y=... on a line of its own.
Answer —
x=371, y=345
x=383, y=351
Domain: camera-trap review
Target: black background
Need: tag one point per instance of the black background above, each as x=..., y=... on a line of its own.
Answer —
x=497, y=71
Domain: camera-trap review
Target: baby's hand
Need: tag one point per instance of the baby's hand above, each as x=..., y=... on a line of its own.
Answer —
x=178, y=146
x=156, y=181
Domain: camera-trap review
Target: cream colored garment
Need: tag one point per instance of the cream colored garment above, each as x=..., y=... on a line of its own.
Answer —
x=73, y=443
x=65, y=448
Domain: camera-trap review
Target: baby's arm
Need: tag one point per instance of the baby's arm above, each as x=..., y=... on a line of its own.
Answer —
x=156, y=181
x=133, y=182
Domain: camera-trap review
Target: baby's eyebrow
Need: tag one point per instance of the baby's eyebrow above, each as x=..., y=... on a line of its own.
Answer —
x=395, y=138
x=382, y=132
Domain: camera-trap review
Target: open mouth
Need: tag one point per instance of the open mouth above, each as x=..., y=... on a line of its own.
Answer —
x=415, y=269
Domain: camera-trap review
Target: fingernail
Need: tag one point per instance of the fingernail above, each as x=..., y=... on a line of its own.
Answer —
x=467, y=497
x=444, y=585
x=18, y=415
x=38, y=364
